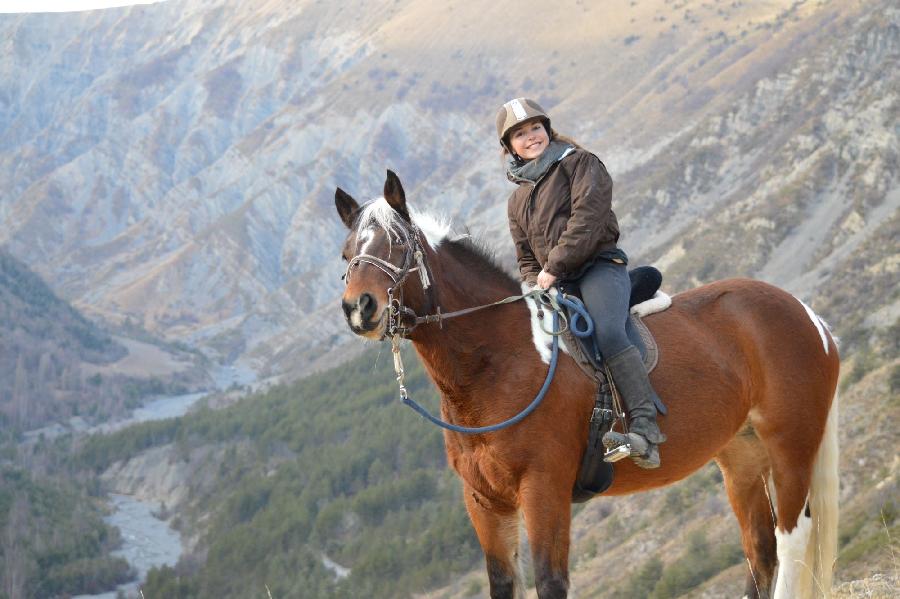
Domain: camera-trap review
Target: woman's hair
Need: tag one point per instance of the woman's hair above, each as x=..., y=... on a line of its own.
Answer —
x=564, y=138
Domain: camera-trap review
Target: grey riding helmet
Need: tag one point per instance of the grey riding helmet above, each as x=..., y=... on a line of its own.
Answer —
x=518, y=111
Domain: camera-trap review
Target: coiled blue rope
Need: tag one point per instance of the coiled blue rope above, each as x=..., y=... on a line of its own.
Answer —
x=579, y=312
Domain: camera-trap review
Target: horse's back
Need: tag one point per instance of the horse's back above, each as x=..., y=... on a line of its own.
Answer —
x=727, y=348
x=753, y=318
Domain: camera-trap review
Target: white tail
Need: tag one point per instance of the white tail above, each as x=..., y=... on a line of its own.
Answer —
x=821, y=552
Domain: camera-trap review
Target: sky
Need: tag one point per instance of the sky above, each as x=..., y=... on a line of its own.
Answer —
x=64, y=5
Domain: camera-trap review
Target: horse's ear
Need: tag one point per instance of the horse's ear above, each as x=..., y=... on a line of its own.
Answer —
x=346, y=206
x=394, y=194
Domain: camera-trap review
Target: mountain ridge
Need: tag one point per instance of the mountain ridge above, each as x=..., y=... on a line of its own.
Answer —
x=199, y=173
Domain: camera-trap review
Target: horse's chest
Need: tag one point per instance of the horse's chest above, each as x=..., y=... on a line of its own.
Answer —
x=487, y=473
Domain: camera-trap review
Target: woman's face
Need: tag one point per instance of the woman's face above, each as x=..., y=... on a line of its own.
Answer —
x=529, y=140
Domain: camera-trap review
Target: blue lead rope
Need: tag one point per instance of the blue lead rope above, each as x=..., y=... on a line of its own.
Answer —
x=579, y=312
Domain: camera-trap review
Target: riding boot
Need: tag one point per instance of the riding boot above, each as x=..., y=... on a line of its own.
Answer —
x=630, y=378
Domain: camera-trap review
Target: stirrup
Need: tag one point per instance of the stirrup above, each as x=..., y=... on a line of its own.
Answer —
x=620, y=445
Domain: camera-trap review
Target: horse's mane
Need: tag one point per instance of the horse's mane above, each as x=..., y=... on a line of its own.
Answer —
x=480, y=259
x=474, y=253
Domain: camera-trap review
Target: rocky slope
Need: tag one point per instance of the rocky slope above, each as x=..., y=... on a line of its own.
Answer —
x=55, y=364
x=175, y=163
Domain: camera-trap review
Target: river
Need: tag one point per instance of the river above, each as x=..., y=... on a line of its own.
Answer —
x=147, y=541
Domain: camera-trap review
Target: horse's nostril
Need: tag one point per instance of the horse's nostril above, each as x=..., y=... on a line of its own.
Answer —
x=361, y=310
x=367, y=305
x=348, y=308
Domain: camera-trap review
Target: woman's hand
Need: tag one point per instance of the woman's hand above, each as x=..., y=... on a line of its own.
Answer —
x=545, y=280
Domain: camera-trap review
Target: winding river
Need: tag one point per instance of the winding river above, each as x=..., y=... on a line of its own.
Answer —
x=148, y=541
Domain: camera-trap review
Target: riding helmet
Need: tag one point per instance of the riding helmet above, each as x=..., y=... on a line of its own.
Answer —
x=517, y=111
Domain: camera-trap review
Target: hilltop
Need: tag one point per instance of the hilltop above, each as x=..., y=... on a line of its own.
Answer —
x=193, y=148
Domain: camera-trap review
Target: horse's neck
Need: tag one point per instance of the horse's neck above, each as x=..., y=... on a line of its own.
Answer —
x=456, y=352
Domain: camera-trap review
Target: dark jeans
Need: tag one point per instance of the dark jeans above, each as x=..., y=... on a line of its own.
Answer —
x=606, y=290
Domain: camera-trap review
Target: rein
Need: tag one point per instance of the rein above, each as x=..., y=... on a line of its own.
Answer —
x=555, y=302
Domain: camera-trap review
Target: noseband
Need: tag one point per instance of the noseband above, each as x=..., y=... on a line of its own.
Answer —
x=396, y=311
x=398, y=275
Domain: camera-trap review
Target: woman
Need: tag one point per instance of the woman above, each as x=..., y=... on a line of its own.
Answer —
x=564, y=229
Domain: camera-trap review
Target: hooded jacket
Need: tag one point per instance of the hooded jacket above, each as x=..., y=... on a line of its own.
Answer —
x=562, y=222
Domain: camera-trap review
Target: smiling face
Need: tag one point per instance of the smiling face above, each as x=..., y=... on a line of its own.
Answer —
x=529, y=140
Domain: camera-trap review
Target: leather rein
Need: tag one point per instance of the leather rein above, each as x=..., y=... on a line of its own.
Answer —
x=397, y=311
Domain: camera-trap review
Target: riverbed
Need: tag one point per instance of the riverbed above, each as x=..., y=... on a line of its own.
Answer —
x=147, y=541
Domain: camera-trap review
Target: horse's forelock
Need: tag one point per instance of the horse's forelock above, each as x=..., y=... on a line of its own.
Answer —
x=379, y=213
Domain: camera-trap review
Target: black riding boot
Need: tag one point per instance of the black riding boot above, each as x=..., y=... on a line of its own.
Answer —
x=630, y=378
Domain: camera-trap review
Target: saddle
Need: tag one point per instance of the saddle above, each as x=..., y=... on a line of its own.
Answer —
x=645, y=283
x=595, y=475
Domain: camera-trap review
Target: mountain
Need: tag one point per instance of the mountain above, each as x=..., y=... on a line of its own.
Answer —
x=174, y=163
x=44, y=344
x=56, y=364
x=283, y=488
x=173, y=166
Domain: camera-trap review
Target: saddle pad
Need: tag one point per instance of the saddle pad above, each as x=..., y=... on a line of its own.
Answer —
x=581, y=350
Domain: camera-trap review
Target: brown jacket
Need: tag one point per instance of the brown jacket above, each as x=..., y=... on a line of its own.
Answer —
x=565, y=220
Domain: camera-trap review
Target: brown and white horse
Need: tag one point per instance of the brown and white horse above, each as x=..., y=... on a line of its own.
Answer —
x=748, y=373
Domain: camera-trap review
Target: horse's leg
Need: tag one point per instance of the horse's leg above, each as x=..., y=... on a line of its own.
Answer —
x=792, y=482
x=745, y=470
x=547, y=517
x=498, y=533
x=803, y=454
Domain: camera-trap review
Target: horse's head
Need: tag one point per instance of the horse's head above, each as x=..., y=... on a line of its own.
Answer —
x=385, y=259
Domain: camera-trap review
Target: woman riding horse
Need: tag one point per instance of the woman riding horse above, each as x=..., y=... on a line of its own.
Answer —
x=564, y=229
x=758, y=398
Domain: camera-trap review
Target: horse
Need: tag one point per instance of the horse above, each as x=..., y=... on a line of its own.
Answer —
x=748, y=373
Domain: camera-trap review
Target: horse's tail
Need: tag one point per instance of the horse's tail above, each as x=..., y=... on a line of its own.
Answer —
x=821, y=552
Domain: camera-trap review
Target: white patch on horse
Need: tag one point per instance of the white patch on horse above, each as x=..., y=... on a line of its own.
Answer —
x=435, y=228
x=659, y=302
x=366, y=238
x=356, y=317
x=543, y=342
x=818, y=322
x=791, y=548
x=379, y=213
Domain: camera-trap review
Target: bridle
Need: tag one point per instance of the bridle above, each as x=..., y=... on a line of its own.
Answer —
x=396, y=312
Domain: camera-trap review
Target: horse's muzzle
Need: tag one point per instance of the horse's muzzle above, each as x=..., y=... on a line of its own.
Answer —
x=360, y=315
